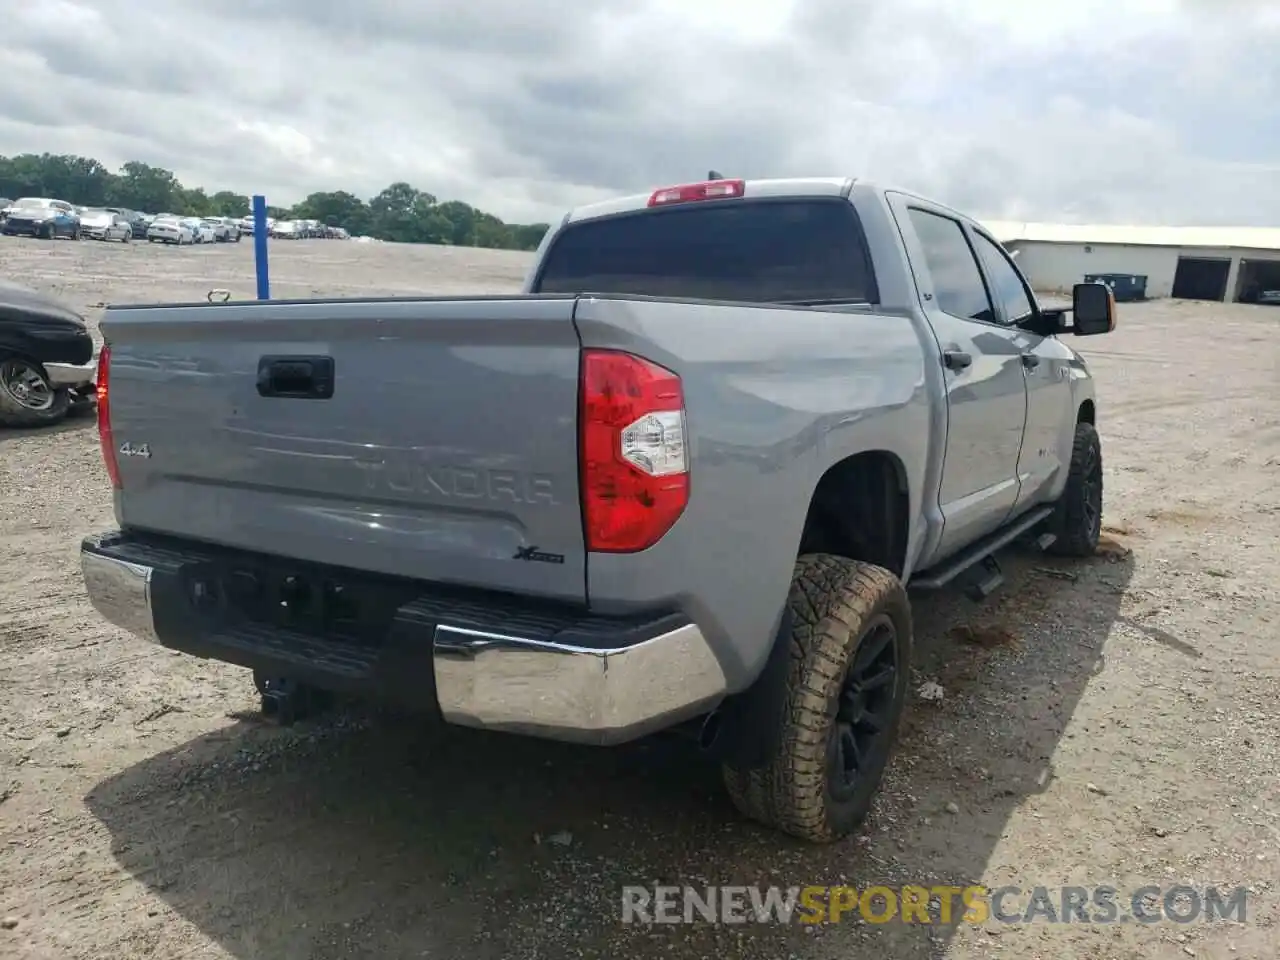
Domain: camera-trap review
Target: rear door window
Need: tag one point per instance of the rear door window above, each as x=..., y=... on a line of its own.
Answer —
x=761, y=251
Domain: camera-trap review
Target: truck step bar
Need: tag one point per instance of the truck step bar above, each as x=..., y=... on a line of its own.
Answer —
x=988, y=576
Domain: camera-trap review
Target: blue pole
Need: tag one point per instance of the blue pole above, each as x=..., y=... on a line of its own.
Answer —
x=260, y=246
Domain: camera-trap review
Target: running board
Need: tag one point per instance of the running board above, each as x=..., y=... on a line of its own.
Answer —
x=937, y=577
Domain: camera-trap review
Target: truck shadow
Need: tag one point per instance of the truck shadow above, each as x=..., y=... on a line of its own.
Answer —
x=352, y=838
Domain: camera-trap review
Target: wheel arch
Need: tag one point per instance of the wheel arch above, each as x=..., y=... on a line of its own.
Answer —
x=860, y=509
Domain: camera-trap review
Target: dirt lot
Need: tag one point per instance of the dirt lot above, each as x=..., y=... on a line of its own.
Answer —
x=1124, y=731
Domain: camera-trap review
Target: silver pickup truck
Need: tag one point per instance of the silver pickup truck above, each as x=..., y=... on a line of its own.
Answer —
x=681, y=482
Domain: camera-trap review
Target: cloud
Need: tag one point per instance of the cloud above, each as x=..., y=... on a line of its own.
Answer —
x=1083, y=110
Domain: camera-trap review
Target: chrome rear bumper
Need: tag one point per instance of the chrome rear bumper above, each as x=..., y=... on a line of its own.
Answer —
x=574, y=693
x=603, y=689
x=121, y=592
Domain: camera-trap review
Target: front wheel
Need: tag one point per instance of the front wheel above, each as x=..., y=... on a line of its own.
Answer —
x=1076, y=522
x=27, y=398
x=851, y=640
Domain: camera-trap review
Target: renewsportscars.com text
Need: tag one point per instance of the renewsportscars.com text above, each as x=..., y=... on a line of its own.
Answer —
x=933, y=904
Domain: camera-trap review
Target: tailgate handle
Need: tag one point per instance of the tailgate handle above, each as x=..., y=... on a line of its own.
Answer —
x=301, y=378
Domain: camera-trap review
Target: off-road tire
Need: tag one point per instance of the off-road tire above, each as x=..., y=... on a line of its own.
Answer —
x=833, y=603
x=1076, y=526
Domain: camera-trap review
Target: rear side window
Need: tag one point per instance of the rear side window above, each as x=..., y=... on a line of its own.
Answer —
x=762, y=251
x=957, y=281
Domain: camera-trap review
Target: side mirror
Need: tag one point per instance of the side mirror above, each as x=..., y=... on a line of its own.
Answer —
x=1093, y=309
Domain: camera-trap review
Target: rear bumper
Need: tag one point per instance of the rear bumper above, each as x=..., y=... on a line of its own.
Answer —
x=501, y=663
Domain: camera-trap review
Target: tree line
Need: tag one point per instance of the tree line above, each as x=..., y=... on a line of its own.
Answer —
x=401, y=213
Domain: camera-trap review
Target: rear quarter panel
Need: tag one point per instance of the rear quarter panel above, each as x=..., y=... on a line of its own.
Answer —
x=774, y=397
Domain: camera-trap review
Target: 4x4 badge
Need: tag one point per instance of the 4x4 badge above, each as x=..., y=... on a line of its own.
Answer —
x=128, y=449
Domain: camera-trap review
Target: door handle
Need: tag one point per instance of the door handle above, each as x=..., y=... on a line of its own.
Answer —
x=1030, y=361
x=299, y=378
x=956, y=359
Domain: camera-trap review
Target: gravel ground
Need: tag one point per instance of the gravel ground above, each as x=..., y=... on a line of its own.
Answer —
x=1114, y=724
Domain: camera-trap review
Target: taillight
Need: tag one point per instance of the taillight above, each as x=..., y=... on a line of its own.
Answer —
x=105, y=437
x=634, y=458
x=708, y=190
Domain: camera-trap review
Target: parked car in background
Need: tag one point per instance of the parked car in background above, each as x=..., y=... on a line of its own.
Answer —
x=225, y=230
x=286, y=230
x=46, y=359
x=200, y=230
x=167, y=228
x=41, y=217
x=139, y=222
x=4, y=207
x=101, y=224
x=217, y=226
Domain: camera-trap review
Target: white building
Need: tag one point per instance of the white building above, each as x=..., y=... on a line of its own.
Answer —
x=1196, y=263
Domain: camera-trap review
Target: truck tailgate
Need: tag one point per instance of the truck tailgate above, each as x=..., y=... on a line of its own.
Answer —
x=447, y=450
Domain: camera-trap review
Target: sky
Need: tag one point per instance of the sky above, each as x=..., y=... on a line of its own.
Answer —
x=1079, y=111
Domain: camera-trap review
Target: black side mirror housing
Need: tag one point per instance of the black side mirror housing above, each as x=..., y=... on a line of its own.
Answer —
x=1093, y=309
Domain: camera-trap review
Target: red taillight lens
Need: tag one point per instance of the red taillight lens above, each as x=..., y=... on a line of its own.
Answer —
x=105, y=437
x=708, y=190
x=634, y=459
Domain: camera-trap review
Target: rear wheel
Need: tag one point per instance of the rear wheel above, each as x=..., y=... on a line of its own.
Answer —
x=850, y=654
x=27, y=398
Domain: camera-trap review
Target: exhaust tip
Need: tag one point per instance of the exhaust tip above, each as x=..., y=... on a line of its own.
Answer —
x=709, y=732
